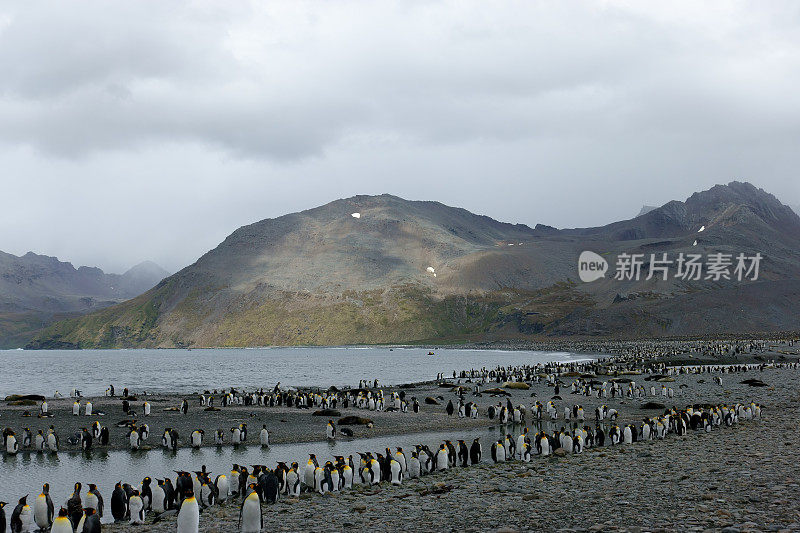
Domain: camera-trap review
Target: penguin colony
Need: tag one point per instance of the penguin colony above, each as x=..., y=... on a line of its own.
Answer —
x=190, y=494
x=252, y=488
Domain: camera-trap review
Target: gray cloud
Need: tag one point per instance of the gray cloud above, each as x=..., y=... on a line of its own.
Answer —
x=152, y=129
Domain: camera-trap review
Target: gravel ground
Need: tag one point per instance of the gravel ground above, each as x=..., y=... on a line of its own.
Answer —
x=743, y=478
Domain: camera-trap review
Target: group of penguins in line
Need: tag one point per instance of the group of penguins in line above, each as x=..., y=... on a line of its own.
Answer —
x=138, y=434
x=612, y=367
x=191, y=494
x=360, y=398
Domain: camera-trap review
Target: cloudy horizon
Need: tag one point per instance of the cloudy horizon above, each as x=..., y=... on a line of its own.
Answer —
x=140, y=131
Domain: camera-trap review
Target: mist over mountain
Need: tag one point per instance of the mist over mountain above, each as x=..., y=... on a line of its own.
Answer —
x=381, y=269
x=36, y=289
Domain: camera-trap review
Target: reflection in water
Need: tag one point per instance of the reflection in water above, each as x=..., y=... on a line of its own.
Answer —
x=26, y=472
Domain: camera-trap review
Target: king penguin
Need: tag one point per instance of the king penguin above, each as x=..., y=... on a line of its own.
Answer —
x=136, y=508
x=475, y=451
x=250, y=518
x=189, y=515
x=61, y=524
x=442, y=458
x=43, y=508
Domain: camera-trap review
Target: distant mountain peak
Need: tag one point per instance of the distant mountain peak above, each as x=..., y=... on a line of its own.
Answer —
x=149, y=267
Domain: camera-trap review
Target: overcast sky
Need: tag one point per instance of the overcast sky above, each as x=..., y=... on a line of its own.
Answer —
x=151, y=130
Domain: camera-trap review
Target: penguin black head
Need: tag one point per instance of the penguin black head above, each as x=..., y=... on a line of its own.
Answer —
x=63, y=512
x=23, y=500
x=88, y=511
x=45, y=488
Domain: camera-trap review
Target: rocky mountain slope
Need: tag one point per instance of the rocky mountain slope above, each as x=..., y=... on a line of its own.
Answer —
x=35, y=289
x=380, y=269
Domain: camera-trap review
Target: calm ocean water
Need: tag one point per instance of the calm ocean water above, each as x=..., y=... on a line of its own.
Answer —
x=91, y=371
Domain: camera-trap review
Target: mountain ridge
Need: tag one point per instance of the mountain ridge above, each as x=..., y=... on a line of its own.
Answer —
x=37, y=289
x=411, y=271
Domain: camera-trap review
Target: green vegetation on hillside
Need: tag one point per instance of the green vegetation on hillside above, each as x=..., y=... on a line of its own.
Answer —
x=404, y=314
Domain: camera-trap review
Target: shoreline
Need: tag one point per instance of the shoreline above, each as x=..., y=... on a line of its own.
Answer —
x=298, y=428
x=287, y=425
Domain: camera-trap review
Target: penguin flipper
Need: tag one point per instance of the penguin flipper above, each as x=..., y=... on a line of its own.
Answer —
x=165, y=514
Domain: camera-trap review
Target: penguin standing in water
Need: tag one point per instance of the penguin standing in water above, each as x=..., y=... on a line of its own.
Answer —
x=39, y=442
x=219, y=437
x=52, y=439
x=475, y=451
x=94, y=500
x=250, y=518
x=263, y=437
x=119, y=503
x=330, y=431
x=21, y=518
x=43, y=509
x=197, y=438
x=75, y=505
x=3, y=516
x=61, y=524
x=86, y=440
x=170, y=439
x=12, y=446
x=189, y=515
